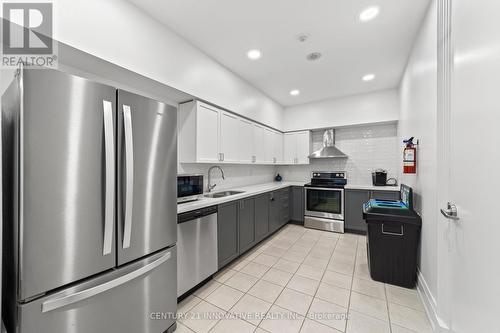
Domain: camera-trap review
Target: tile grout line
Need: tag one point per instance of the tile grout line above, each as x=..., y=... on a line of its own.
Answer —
x=316, y=292
x=259, y=279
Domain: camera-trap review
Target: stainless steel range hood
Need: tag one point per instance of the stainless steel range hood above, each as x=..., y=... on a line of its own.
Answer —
x=329, y=150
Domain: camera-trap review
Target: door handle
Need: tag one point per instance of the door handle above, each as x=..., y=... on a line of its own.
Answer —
x=63, y=301
x=109, y=196
x=129, y=160
x=450, y=212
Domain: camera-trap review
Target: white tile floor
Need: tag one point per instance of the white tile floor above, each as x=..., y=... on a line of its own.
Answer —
x=302, y=280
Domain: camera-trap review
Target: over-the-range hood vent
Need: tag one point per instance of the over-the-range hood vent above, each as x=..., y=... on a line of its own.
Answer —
x=329, y=150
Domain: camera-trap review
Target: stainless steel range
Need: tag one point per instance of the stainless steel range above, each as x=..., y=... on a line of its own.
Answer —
x=324, y=201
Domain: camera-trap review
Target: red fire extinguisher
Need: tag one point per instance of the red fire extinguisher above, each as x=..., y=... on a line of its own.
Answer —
x=409, y=157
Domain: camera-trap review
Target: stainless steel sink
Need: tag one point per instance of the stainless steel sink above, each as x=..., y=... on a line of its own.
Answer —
x=222, y=194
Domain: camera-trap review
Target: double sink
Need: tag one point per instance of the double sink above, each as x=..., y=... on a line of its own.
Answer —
x=222, y=194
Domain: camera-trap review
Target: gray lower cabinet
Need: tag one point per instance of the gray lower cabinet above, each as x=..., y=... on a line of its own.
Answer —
x=297, y=204
x=246, y=224
x=274, y=211
x=261, y=216
x=354, y=200
x=227, y=232
x=285, y=206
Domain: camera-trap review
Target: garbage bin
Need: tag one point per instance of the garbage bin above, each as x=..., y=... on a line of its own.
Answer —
x=392, y=240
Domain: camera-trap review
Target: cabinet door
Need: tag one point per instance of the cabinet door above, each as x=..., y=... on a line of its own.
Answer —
x=278, y=147
x=229, y=147
x=285, y=206
x=385, y=195
x=297, y=204
x=261, y=216
x=289, y=148
x=274, y=211
x=245, y=141
x=247, y=224
x=354, y=200
x=258, y=144
x=227, y=233
x=268, y=146
x=207, y=134
x=303, y=147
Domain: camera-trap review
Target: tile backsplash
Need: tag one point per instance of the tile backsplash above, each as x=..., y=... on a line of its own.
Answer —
x=236, y=175
x=369, y=147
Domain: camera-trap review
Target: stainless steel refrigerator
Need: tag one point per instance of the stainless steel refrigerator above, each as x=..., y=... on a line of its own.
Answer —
x=89, y=194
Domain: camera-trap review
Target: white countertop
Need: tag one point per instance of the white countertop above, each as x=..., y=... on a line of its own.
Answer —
x=371, y=187
x=248, y=192
x=252, y=190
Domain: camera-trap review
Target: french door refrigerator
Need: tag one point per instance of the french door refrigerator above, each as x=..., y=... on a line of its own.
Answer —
x=90, y=211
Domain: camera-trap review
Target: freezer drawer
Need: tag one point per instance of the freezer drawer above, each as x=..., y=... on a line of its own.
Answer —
x=123, y=301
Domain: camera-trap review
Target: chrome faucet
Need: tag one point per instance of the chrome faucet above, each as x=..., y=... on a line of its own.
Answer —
x=210, y=186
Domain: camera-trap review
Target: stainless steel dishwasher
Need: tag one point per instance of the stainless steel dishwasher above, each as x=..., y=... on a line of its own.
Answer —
x=196, y=247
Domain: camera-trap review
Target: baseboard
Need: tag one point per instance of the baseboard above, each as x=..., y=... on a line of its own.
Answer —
x=430, y=305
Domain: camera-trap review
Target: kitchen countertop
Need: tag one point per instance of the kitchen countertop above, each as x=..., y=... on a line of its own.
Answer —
x=249, y=191
x=252, y=190
x=371, y=187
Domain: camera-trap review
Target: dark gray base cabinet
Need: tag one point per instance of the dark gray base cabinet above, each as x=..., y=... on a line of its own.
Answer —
x=297, y=204
x=247, y=224
x=227, y=233
x=244, y=223
x=261, y=216
x=354, y=200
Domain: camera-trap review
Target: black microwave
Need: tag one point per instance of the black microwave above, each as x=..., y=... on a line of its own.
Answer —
x=189, y=187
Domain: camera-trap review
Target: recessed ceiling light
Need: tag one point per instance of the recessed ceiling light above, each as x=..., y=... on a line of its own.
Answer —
x=254, y=54
x=369, y=14
x=368, y=77
x=313, y=56
x=294, y=92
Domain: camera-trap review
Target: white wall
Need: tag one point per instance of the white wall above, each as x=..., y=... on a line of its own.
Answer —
x=418, y=118
x=381, y=106
x=369, y=147
x=119, y=32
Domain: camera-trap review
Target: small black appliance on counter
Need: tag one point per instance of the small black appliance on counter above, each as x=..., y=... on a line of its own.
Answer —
x=379, y=177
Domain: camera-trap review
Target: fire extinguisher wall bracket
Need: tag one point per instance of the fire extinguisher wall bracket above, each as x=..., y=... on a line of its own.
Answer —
x=410, y=156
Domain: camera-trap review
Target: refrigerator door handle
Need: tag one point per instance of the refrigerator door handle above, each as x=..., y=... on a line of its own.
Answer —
x=109, y=205
x=129, y=160
x=63, y=301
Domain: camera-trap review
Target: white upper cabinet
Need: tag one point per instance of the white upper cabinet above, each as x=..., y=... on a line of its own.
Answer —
x=258, y=144
x=198, y=133
x=229, y=137
x=246, y=141
x=303, y=147
x=296, y=146
x=278, y=147
x=207, y=134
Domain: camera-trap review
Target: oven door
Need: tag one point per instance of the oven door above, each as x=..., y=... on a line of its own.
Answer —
x=324, y=202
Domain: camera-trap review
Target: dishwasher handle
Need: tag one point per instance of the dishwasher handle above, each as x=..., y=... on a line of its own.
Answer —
x=196, y=214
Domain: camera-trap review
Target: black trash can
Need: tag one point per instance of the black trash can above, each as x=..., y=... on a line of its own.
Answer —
x=392, y=241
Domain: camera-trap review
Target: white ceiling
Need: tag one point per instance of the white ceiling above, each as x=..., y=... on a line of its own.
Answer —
x=227, y=29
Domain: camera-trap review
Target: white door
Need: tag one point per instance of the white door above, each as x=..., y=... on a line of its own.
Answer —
x=258, y=144
x=471, y=138
x=207, y=134
x=303, y=147
x=245, y=141
x=289, y=148
x=229, y=126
